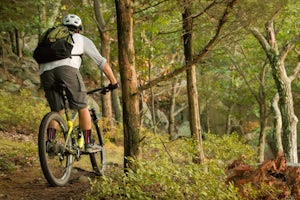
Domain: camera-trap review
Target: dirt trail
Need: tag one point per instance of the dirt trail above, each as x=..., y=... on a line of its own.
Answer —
x=29, y=184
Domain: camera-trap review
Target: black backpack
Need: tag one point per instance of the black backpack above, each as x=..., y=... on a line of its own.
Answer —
x=55, y=44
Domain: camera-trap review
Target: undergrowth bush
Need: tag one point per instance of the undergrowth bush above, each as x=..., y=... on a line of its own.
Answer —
x=166, y=171
x=21, y=109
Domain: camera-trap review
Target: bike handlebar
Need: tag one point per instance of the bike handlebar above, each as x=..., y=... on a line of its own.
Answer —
x=103, y=90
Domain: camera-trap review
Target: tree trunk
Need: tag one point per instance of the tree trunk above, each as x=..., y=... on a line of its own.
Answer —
x=105, y=51
x=194, y=115
x=19, y=43
x=130, y=93
x=277, y=124
x=289, y=119
x=283, y=84
x=152, y=95
x=263, y=116
x=204, y=116
x=286, y=104
x=228, y=124
x=172, y=110
x=117, y=107
x=262, y=134
x=153, y=111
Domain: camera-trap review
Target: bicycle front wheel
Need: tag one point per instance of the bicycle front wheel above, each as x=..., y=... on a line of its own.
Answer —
x=98, y=158
x=56, y=164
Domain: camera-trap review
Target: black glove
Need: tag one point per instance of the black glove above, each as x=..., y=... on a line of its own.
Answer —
x=113, y=86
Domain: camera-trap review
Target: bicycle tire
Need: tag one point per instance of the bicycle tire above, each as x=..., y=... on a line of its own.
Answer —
x=56, y=165
x=98, y=158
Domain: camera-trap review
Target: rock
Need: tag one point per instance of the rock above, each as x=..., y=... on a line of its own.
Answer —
x=83, y=179
x=28, y=84
x=11, y=87
x=184, y=130
x=162, y=120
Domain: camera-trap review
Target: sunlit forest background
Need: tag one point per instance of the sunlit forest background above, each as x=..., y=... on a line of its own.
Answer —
x=234, y=79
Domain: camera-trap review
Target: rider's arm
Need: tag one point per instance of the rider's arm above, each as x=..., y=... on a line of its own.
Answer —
x=109, y=74
x=91, y=51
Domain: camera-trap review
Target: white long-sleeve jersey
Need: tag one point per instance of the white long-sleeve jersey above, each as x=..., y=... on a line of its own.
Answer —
x=82, y=46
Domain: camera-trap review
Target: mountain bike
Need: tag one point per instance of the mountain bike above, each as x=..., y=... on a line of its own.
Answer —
x=58, y=155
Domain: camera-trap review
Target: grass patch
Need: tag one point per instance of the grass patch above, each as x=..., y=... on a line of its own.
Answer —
x=21, y=110
x=15, y=154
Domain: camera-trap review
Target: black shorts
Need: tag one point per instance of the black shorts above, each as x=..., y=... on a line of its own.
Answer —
x=76, y=91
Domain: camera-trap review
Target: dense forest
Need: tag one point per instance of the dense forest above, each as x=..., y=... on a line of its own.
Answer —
x=187, y=69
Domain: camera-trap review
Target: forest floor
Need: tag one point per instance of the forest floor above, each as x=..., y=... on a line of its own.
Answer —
x=29, y=184
x=26, y=182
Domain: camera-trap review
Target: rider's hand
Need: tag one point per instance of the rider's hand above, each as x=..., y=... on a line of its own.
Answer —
x=113, y=86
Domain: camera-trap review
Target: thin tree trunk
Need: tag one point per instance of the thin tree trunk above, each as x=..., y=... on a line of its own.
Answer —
x=283, y=84
x=152, y=96
x=228, y=120
x=117, y=107
x=172, y=111
x=263, y=116
x=262, y=135
x=105, y=51
x=277, y=124
x=194, y=115
x=130, y=93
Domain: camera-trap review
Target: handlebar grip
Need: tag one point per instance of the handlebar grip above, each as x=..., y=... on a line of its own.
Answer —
x=103, y=90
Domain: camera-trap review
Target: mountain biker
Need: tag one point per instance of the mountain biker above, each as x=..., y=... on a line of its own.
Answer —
x=66, y=71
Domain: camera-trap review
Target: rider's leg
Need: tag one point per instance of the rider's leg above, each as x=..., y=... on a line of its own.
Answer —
x=85, y=124
x=53, y=126
x=85, y=119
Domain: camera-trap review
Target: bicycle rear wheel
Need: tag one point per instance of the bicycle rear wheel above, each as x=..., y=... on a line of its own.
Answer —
x=56, y=164
x=98, y=158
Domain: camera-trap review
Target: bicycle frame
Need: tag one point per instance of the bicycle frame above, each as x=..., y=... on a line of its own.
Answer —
x=70, y=120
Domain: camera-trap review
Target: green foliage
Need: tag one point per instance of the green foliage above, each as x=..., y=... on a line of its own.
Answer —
x=228, y=147
x=17, y=14
x=21, y=109
x=166, y=171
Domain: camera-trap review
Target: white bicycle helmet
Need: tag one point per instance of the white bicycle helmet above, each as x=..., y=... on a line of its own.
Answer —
x=72, y=20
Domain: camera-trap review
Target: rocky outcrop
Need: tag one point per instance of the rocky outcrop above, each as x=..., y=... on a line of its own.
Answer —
x=17, y=73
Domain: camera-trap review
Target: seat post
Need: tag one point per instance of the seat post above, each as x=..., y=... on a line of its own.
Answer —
x=62, y=90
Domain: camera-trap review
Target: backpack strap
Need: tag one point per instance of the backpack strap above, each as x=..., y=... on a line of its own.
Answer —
x=71, y=35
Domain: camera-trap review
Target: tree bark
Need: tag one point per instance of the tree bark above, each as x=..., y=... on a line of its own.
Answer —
x=283, y=84
x=172, y=110
x=263, y=116
x=105, y=51
x=152, y=95
x=277, y=124
x=194, y=115
x=130, y=94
